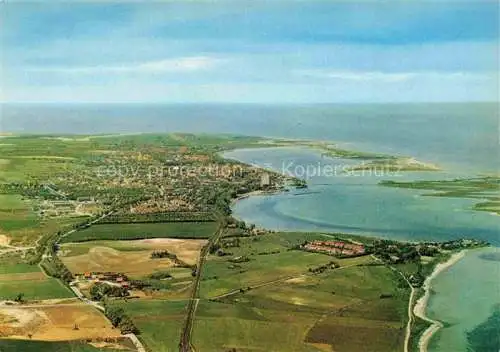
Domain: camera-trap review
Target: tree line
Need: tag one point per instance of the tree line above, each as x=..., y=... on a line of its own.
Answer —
x=177, y=216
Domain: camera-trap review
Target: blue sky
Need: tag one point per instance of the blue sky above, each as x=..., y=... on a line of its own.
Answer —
x=249, y=51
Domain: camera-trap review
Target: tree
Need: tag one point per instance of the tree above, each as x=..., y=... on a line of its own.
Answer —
x=100, y=290
x=19, y=298
x=127, y=326
x=114, y=314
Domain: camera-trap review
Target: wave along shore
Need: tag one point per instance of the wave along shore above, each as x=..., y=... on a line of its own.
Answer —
x=421, y=305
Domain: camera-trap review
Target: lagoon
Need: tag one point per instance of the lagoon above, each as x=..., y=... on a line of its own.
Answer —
x=356, y=203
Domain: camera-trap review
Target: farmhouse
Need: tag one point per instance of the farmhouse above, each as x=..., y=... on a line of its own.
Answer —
x=106, y=276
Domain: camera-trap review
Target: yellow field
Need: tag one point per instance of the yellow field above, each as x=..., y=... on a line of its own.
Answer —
x=58, y=322
x=129, y=257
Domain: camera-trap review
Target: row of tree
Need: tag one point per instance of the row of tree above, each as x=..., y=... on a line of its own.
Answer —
x=322, y=268
x=174, y=216
x=158, y=254
x=120, y=320
x=54, y=267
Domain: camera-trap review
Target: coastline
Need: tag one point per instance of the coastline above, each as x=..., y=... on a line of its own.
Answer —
x=421, y=304
x=249, y=194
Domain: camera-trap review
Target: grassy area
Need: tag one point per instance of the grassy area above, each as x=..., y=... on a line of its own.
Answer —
x=484, y=189
x=357, y=335
x=30, y=281
x=490, y=207
x=160, y=322
x=269, y=257
x=15, y=213
x=18, y=268
x=302, y=311
x=331, y=309
x=249, y=329
x=34, y=289
x=7, y=345
x=142, y=231
x=449, y=188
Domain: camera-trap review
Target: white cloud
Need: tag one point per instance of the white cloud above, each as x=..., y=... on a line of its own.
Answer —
x=183, y=64
x=377, y=76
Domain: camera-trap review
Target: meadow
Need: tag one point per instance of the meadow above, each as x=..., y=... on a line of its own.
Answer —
x=28, y=280
x=10, y=345
x=267, y=257
x=159, y=322
x=186, y=230
x=276, y=303
x=250, y=328
x=310, y=313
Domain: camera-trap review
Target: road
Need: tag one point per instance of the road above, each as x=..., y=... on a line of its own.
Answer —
x=410, y=305
x=185, y=342
x=410, y=310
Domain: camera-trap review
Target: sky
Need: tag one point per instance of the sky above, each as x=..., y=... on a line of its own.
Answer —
x=249, y=51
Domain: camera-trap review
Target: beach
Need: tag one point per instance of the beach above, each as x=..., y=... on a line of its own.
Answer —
x=421, y=305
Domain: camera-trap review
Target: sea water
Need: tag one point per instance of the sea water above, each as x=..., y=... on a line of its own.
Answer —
x=463, y=297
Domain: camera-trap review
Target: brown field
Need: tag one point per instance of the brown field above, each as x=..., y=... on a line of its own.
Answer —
x=352, y=334
x=54, y=322
x=105, y=259
x=186, y=250
x=132, y=258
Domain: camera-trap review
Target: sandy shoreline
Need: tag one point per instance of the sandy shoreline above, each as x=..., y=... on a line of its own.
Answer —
x=421, y=305
x=250, y=194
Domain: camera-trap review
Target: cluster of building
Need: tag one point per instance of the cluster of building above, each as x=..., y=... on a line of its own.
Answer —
x=50, y=208
x=335, y=248
x=108, y=277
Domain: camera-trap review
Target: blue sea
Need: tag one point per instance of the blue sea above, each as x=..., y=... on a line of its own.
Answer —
x=461, y=138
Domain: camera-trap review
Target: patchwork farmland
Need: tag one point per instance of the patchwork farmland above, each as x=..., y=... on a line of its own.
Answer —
x=161, y=259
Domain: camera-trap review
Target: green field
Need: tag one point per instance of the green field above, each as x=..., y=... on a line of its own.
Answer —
x=250, y=329
x=332, y=308
x=159, y=322
x=34, y=289
x=271, y=257
x=31, y=282
x=17, y=268
x=302, y=311
x=143, y=231
x=15, y=213
x=41, y=346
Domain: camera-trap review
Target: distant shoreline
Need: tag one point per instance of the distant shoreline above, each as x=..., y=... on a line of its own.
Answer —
x=422, y=303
